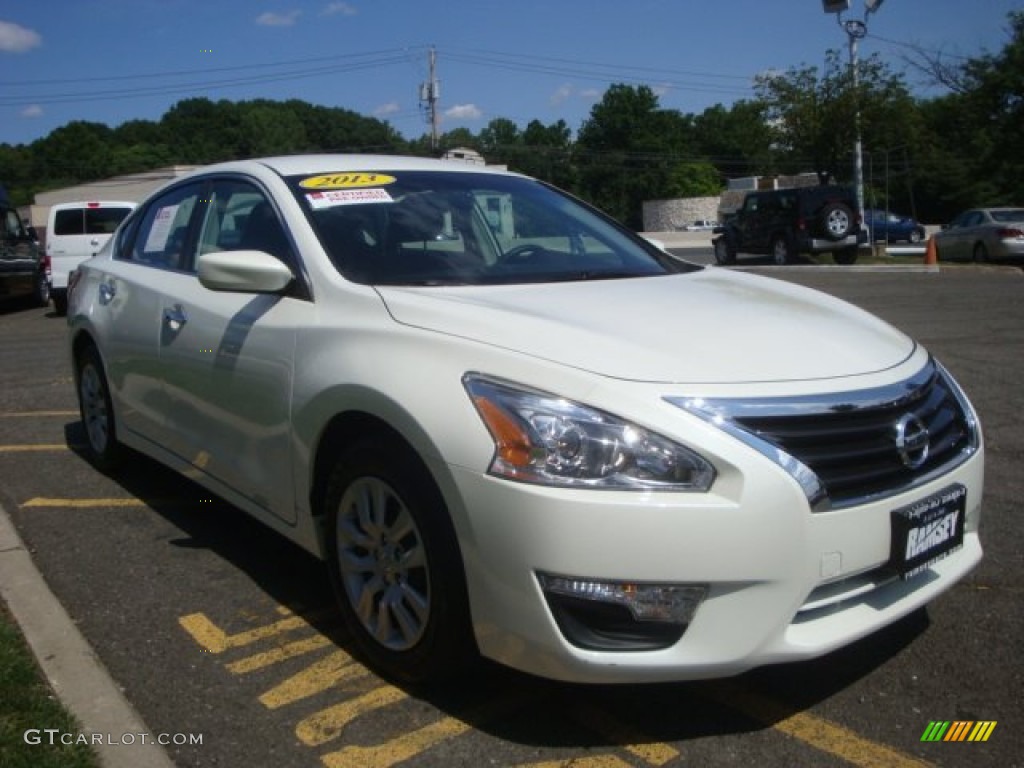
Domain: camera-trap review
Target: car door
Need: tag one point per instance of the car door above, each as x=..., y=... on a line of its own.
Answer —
x=228, y=358
x=127, y=309
x=958, y=240
x=18, y=257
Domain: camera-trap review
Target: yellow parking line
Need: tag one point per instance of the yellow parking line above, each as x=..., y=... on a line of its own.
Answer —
x=281, y=653
x=83, y=503
x=40, y=448
x=814, y=731
x=328, y=724
x=336, y=668
x=413, y=743
x=625, y=735
x=34, y=414
x=213, y=639
x=592, y=761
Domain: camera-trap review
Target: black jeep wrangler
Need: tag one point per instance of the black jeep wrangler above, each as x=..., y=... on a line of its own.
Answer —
x=785, y=222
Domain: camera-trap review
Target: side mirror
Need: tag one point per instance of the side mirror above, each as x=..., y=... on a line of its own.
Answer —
x=243, y=272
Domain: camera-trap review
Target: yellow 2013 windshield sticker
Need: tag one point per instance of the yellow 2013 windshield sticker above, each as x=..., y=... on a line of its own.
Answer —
x=354, y=180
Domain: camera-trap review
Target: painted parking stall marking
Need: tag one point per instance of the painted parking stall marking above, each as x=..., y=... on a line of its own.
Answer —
x=292, y=636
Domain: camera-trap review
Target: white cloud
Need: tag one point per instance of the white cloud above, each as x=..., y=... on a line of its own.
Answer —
x=561, y=95
x=335, y=8
x=386, y=109
x=32, y=110
x=464, y=112
x=591, y=94
x=17, y=39
x=270, y=19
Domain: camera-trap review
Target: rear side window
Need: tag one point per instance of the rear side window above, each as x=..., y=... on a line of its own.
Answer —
x=103, y=221
x=69, y=222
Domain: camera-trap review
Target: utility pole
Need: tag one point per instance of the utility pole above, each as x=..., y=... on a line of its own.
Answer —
x=430, y=93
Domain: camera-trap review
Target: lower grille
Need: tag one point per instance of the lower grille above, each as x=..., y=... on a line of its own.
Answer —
x=849, y=448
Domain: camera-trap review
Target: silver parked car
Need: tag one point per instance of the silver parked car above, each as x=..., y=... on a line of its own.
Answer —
x=982, y=234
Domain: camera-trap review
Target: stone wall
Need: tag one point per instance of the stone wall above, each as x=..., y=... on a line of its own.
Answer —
x=673, y=215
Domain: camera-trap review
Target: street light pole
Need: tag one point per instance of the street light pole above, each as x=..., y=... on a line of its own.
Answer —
x=856, y=30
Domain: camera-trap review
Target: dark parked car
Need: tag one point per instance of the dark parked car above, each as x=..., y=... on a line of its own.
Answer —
x=787, y=222
x=23, y=268
x=891, y=227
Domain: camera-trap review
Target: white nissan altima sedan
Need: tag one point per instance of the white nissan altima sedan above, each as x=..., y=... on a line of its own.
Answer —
x=510, y=426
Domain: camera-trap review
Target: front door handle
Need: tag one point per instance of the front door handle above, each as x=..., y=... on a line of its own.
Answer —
x=175, y=317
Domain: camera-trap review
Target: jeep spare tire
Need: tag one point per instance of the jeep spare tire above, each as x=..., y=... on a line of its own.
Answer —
x=837, y=221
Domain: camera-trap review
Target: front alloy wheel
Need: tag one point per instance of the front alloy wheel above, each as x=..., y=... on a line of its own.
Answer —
x=395, y=564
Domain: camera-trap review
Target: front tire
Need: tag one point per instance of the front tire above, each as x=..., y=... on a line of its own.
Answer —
x=394, y=563
x=97, y=412
x=725, y=251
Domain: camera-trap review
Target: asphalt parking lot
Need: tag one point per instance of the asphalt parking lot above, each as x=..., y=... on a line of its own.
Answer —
x=212, y=625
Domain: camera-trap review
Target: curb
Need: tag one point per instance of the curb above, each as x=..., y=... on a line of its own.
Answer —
x=72, y=668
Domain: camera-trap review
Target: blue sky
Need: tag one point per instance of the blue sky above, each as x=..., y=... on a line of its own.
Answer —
x=115, y=60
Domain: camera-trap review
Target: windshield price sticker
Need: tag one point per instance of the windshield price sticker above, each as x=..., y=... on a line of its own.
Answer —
x=332, y=198
x=928, y=530
x=347, y=181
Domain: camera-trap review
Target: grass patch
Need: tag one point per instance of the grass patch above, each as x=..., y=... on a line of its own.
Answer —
x=26, y=702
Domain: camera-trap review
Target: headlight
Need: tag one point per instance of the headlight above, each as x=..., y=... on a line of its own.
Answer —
x=540, y=438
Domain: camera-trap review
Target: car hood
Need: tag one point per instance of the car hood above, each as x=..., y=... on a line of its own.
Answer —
x=713, y=326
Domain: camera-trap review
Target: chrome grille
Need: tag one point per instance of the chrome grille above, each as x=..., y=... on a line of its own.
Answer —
x=846, y=449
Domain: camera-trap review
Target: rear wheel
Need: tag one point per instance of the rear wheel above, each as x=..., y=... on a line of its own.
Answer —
x=41, y=290
x=97, y=412
x=980, y=253
x=845, y=256
x=395, y=565
x=782, y=251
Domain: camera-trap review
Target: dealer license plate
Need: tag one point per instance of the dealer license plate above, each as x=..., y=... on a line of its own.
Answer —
x=928, y=530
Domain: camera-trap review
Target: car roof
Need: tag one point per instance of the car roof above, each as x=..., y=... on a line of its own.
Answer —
x=296, y=165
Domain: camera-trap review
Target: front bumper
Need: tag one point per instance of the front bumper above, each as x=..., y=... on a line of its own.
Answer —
x=783, y=583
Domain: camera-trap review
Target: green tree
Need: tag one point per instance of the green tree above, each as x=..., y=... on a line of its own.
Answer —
x=630, y=150
x=814, y=113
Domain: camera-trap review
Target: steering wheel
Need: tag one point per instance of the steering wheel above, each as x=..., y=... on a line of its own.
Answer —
x=522, y=253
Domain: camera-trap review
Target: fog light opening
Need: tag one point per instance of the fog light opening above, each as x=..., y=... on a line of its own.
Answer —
x=621, y=616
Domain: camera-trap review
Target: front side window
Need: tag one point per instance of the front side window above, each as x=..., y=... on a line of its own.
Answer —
x=459, y=228
x=239, y=216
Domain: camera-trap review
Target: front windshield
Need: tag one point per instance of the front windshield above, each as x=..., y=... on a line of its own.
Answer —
x=463, y=228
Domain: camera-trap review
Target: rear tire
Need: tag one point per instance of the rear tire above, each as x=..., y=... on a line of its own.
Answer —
x=980, y=253
x=846, y=256
x=782, y=251
x=395, y=565
x=97, y=412
x=41, y=290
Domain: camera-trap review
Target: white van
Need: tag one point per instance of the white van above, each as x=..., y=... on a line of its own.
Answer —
x=74, y=232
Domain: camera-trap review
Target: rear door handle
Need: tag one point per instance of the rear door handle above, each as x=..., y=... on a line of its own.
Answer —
x=175, y=317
